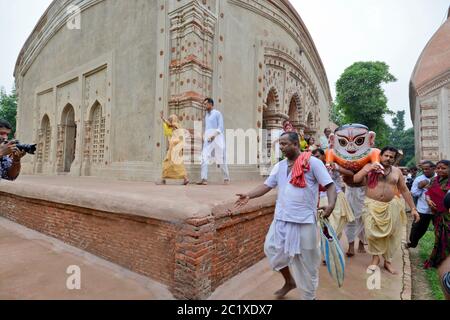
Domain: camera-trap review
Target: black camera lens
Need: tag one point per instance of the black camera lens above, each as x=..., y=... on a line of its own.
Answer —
x=28, y=148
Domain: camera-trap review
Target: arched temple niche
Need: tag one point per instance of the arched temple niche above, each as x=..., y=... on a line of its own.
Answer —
x=272, y=101
x=272, y=120
x=311, y=127
x=97, y=134
x=274, y=81
x=94, y=137
x=67, y=134
x=44, y=144
x=295, y=112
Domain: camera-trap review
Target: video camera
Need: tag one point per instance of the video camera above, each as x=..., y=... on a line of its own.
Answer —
x=28, y=148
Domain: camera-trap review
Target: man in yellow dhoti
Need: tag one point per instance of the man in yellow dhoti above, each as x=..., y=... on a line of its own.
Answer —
x=383, y=214
x=342, y=213
x=173, y=165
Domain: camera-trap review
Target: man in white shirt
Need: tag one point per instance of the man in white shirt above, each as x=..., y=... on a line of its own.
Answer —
x=418, y=190
x=324, y=140
x=213, y=142
x=292, y=243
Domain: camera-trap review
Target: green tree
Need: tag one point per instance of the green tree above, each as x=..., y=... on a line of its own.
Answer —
x=409, y=148
x=402, y=139
x=360, y=97
x=399, y=125
x=336, y=116
x=8, y=108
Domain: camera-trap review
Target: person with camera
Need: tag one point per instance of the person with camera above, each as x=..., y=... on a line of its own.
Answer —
x=10, y=155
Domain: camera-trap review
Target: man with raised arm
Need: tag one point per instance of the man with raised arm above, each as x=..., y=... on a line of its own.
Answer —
x=382, y=214
x=292, y=243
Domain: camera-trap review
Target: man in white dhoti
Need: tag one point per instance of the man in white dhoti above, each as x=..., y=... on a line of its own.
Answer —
x=342, y=213
x=213, y=143
x=292, y=243
x=356, y=196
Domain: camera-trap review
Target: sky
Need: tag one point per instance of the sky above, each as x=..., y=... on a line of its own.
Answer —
x=344, y=32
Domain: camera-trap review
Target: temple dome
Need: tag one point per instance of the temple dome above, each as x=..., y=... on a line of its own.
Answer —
x=435, y=58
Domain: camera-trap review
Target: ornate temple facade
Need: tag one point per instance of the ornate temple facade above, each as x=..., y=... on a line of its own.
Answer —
x=430, y=97
x=94, y=75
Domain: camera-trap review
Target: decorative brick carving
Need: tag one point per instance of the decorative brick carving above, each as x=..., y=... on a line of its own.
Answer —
x=97, y=140
x=289, y=22
x=44, y=144
x=95, y=124
x=429, y=132
x=47, y=137
x=87, y=142
x=192, y=28
x=290, y=79
x=60, y=148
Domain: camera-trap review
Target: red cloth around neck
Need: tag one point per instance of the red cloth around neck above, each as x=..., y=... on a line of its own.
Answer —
x=301, y=166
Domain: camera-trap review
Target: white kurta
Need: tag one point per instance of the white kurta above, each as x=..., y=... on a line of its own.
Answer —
x=215, y=151
x=293, y=238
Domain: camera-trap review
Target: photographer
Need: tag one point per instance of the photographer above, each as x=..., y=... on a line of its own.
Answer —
x=10, y=155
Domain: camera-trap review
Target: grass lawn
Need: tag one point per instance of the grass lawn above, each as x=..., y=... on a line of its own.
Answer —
x=426, y=245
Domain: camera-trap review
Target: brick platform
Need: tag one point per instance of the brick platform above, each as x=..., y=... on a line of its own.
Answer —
x=192, y=245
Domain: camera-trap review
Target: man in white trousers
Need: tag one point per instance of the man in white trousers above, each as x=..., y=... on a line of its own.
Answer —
x=213, y=143
x=292, y=243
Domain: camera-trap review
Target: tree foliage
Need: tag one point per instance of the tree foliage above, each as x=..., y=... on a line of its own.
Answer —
x=8, y=108
x=360, y=97
x=336, y=116
x=403, y=139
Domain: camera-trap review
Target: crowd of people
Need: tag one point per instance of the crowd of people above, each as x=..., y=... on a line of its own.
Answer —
x=430, y=189
x=371, y=206
x=372, y=209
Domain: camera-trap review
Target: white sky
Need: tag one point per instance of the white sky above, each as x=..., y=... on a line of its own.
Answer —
x=344, y=31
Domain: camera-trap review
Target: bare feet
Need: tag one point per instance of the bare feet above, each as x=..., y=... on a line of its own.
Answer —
x=388, y=266
x=186, y=182
x=351, y=249
x=374, y=264
x=288, y=286
x=361, y=248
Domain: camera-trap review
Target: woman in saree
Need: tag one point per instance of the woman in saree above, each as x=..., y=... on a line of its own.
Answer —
x=437, y=190
x=444, y=269
x=173, y=164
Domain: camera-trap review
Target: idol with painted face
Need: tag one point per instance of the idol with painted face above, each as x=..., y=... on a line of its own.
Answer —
x=352, y=147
